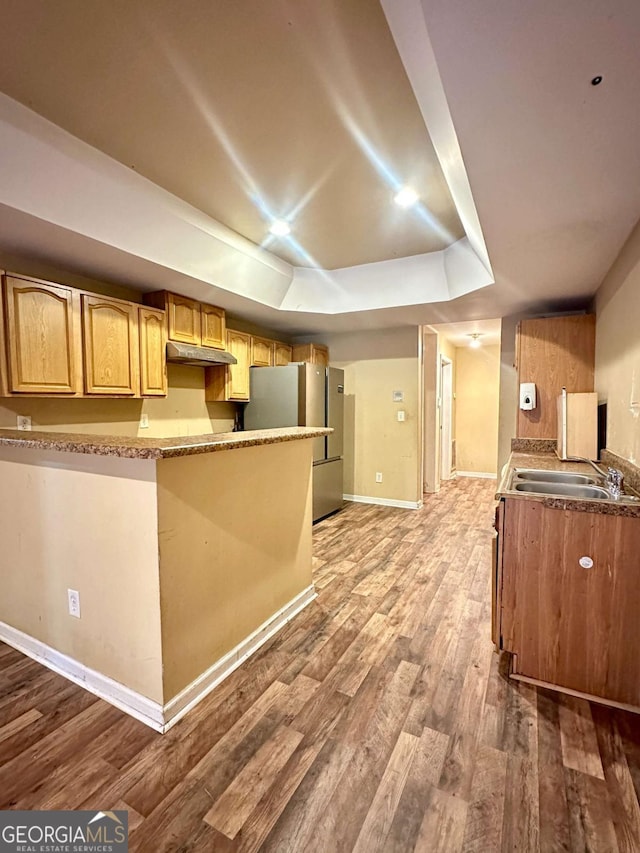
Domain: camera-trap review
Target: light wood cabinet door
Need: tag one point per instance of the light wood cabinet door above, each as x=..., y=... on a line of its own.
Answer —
x=312, y=353
x=261, y=352
x=230, y=382
x=153, y=353
x=40, y=335
x=213, y=326
x=184, y=319
x=282, y=354
x=238, y=344
x=111, y=350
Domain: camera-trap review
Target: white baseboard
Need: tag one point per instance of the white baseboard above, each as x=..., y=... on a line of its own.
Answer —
x=159, y=717
x=177, y=707
x=365, y=499
x=483, y=475
x=129, y=701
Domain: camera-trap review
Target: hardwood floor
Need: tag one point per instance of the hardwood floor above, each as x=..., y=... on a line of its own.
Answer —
x=379, y=719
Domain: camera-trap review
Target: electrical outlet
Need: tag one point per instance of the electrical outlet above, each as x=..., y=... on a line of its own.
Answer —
x=144, y=421
x=24, y=422
x=73, y=597
x=400, y=415
x=378, y=476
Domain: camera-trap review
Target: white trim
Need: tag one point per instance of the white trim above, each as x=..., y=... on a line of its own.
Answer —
x=366, y=499
x=484, y=475
x=177, y=707
x=129, y=701
x=153, y=714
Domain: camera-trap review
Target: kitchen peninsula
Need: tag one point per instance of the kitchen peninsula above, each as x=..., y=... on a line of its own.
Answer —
x=185, y=554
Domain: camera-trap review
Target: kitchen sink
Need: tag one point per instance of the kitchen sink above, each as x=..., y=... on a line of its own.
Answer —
x=570, y=490
x=556, y=477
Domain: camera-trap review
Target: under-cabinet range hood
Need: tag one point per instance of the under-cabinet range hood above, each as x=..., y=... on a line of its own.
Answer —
x=197, y=356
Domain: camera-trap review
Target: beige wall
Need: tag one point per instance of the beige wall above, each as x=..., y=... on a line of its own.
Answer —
x=87, y=523
x=225, y=566
x=617, y=376
x=376, y=364
x=477, y=403
x=182, y=412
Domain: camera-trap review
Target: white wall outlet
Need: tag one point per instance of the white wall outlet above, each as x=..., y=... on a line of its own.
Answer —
x=398, y=396
x=73, y=597
x=144, y=421
x=378, y=476
x=401, y=416
x=24, y=422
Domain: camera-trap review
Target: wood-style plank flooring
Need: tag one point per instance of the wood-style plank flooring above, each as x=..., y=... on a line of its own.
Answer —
x=379, y=719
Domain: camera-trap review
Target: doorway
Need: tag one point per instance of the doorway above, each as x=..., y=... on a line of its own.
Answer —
x=446, y=411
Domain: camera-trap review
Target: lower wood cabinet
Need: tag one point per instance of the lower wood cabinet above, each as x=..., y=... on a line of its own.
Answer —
x=42, y=338
x=111, y=349
x=569, y=598
x=231, y=382
x=153, y=363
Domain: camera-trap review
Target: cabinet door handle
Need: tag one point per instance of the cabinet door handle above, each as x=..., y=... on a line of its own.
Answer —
x=586, y=562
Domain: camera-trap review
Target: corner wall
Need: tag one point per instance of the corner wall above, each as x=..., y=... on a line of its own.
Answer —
x=617, y=376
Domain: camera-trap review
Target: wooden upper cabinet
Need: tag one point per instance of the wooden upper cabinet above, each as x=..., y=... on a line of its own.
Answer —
x=230, y=382
x=213, y=326
x=111, y=349
x=153, y=355
x=313, y=353
x=41, y=341
x=190, y=321
x=553, y=352
x=282, y=354
x=184, y=319
x=239, y=344
x=261, y=352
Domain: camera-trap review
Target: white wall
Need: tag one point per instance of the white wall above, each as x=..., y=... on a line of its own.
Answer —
x=618, y=350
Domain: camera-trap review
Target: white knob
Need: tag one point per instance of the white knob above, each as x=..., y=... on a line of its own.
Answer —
x=586, y=562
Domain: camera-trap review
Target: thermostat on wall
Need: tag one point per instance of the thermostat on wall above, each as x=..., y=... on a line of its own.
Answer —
x=398, y=396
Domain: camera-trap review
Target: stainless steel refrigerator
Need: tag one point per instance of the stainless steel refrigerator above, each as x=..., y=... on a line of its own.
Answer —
x=302, y=394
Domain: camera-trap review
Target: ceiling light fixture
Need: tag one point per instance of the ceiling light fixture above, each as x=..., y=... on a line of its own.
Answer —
x=279, y=228
x=474, y=342
x=406, y=197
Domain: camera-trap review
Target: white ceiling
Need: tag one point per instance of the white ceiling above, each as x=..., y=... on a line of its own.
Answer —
x=543, y=167
x=459, y=334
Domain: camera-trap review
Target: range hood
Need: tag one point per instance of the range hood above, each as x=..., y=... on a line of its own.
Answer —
x=197, y=356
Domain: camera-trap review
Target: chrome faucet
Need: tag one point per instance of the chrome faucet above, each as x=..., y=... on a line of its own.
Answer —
x=614, y=482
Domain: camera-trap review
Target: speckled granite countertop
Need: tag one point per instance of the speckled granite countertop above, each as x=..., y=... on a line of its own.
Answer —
x=154, y=448
x=550, y=462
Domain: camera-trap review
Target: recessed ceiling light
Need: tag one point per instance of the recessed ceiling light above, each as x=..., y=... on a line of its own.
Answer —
x=406, y=197
x=475, y=340
x=279, y=228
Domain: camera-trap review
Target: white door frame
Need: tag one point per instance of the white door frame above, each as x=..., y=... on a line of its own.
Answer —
x=446, y=411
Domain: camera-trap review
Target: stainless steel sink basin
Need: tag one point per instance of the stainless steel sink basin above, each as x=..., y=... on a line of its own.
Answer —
x=569, y=490
x=556, y=477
